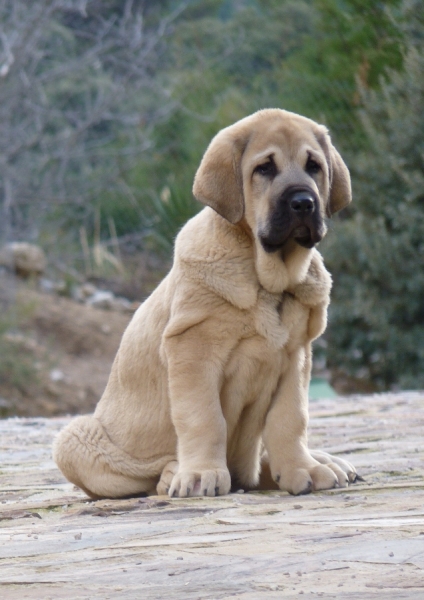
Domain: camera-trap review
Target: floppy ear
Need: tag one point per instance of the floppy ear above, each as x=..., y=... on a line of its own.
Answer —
x=218, y=182
x=340, y=188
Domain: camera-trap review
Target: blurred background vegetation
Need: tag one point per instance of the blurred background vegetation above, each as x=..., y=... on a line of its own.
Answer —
x=106, y=107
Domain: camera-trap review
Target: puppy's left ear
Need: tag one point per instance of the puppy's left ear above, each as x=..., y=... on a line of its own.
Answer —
x=218, y=182
x=340, y=187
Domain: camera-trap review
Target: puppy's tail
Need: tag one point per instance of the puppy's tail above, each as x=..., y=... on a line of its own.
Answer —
x=88, y=458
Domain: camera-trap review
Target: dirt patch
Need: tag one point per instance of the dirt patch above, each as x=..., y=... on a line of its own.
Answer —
x=71, y=348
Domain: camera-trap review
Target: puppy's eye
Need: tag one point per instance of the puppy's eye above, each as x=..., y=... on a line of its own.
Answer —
x=267, y=169
x=312, y=167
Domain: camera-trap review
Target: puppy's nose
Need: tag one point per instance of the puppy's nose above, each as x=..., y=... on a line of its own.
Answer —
x=302, y=203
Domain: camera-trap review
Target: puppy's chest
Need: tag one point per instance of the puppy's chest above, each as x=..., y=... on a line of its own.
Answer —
x=280, y=319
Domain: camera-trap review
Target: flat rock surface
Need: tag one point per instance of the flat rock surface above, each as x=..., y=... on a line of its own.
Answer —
x=365, y=541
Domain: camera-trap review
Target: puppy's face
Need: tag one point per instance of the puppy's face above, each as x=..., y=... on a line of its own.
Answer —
x=286, y=184
x=280, y=172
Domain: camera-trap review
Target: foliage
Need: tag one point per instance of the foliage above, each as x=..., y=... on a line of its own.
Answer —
x=377, y=317
x=78, y=101
x=17, y=367
x=102, y=104
x=169, y=211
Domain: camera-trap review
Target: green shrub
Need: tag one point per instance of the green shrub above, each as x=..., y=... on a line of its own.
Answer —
x=17, y=368
x=376, y=255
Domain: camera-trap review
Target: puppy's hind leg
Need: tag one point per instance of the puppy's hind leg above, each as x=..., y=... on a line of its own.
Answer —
x=166, y=478
x=87, y=457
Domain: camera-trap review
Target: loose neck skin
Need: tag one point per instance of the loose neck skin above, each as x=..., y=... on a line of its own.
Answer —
x=281, y=270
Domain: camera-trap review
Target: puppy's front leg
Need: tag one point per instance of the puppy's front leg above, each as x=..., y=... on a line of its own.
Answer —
x=195, y=375
x=285, y=435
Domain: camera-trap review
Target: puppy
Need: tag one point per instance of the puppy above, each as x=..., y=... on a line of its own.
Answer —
x=209, y=387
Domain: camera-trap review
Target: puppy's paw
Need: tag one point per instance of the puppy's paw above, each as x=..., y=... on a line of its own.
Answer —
x=303, y=480
x=210, y=482
x=334, y=461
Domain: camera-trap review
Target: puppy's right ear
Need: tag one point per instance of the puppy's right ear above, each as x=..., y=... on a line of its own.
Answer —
x=340, y=187
x=340, y=190
x=218, y=182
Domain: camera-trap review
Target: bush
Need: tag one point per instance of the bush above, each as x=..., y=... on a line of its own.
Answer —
x=376, y=257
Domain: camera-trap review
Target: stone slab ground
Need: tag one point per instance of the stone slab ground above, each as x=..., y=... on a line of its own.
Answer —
x=363, y=542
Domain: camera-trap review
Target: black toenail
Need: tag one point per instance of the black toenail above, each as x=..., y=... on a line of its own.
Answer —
x=307, y=490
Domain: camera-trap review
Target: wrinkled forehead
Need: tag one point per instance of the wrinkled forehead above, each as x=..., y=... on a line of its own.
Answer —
x=286, y=139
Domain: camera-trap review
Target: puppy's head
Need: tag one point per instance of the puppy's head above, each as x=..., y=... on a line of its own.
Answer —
x=280, y=172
